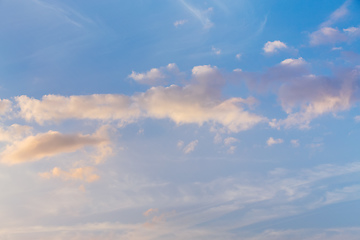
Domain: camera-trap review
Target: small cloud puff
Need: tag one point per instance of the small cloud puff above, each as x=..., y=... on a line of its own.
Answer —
x=190, y=147
x=154, y=76
x=216, y=51
x=273, y=47
x=295, y=142
x=180, y=22
x=271, y=141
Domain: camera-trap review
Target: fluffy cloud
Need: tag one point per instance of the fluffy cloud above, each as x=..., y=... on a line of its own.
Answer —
x=273, y=47
x=155, y=76
x=271, y=141
x=317, y=95
x=83, y=174
x=198, y=102
x=48, y=144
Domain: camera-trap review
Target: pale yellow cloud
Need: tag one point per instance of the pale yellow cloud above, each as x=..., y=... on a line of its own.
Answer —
x=83, y=174
x=14, y=132
x=198, y=102
x=5, y=106
x=96, y=106
x=47, y=144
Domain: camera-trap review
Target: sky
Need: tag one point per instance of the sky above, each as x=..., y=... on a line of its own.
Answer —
x=179, y=119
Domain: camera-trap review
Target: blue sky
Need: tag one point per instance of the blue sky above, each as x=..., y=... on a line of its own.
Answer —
x=179, y=119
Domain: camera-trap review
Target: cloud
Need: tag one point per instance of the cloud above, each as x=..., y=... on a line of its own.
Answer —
x=238, y=56
x=230, y=140
x=97, y=106
x=295, y=142
x=216, y=51
x=5, y=106
x=190, y=147
x=198, y=102
x=150, y=211
x=271, y=141
x=155, y=76
x=14, y=132
x=34, y=148
x=327, y=35
x=273, y=47
x=317, y=95
x=338, y=14
x=83, y=174
x=201, y=15
x=180, y=144
x=180, y=22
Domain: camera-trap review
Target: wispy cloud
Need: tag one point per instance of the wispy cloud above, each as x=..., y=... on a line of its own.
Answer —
x=201, y=15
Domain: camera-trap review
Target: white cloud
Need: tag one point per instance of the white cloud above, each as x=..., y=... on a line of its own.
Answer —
x=273, y=47
x=271, y=141
x=295, y=142
x=238, y=56
x=216, y=51
x=190, y=147
x=327, y=35
x=155, y=76
x=293, y=62
x=180, y=22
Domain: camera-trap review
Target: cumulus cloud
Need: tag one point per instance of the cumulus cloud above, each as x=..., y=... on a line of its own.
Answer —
x=315, y=96
x=155, y=76
x=271, y=141
x=34, y=148
x=83, y=174
x=190, y=147
x=198, y=102
x=273, y=47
